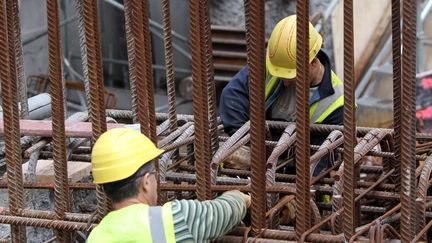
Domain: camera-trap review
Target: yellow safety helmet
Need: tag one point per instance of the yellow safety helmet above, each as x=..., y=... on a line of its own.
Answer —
x=281, y=49
x=119, y=153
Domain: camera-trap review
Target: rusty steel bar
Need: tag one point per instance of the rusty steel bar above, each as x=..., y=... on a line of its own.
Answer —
x=304, y=215
x=350, y=173
x=169, y=63
x=22, y=86
x=137, y=69
x=10, y=115
x=148, y=78
x=255, y=14
x=422, y=190
x=93, y=69
x=200, y=103
x=397, y=74
x=208, y=74
x=407, y=141
x=61, y=191
x=46, y=223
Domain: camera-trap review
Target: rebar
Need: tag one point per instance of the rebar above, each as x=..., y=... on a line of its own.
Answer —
x=92, y=67
x=350, y=173
x=254, y=11
x=169, y=63
x=10, y=115
x=397, y=102
x=200, y=101
x=61, y=191
x=407, y=140
x=148, y=78
x=192, y=165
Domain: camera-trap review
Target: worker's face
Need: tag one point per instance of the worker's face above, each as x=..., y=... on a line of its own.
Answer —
x=313, y=70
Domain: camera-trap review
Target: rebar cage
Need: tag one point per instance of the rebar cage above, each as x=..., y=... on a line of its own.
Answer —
x=367, y=202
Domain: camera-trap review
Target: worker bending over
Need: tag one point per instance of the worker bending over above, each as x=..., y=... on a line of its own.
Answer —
x=326, y=89
x=123, y=165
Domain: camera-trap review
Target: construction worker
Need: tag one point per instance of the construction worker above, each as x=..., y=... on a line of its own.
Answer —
x=326, y=89
x=123, y=165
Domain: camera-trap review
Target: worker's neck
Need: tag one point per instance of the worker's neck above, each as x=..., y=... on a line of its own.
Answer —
x=129, y=202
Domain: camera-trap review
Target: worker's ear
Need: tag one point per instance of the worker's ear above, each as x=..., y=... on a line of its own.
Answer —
x=145, y=182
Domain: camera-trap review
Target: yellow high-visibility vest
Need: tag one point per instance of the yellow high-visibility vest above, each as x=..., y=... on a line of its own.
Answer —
x=321, y=109
x=136, y=223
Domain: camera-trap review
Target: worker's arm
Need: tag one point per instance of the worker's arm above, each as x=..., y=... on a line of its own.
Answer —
x=210, y=219
x=234, y=102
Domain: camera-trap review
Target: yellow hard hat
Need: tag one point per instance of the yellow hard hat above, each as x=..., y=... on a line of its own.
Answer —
x=281, y=49
x=119, y=153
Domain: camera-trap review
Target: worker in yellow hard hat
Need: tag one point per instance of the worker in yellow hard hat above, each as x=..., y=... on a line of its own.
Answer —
x=326, y=89
x=123, y=164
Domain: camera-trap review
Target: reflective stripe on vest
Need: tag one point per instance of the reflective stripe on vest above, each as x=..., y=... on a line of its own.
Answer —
x=136, y=223
x=321, y=109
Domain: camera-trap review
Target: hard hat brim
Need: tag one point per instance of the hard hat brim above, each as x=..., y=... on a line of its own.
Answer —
x=121, y=174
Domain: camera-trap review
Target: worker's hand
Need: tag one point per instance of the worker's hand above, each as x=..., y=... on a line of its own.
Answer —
x=246, y=197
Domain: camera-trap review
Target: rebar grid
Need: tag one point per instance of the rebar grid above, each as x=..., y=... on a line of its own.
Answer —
x=176, y=134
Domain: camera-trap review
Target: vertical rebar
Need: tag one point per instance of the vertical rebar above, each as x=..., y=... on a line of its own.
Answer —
x=208, y=76
x=148, y=77
x=255, y=19
x=396, y=50
x=83, y=48
x=92, y=66
x=22, y=85
x=61, y=190
x=303, y=218
x=99, y=71
x=169, y=63
x=10, y=117
x=137, y=69
x=349, y=174
x=200, y=102
x=408, y=161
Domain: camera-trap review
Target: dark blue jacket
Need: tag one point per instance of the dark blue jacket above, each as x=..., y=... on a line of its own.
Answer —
x=234, y=100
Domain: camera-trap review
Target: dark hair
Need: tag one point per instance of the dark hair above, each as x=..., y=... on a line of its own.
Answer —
x=118, y=191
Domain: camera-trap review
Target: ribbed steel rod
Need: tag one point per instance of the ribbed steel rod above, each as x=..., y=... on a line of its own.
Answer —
x=10, y=116
x=22, y=85
x=61, y=191
x=255, y=19
x=349, y=173
x=303, y=217
x=208, y=74
x=169, y=63
x=407, y=143
x=137, y=69
x=200, y=103
x=92, y=64
x=397, y=75
x=149, y=82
